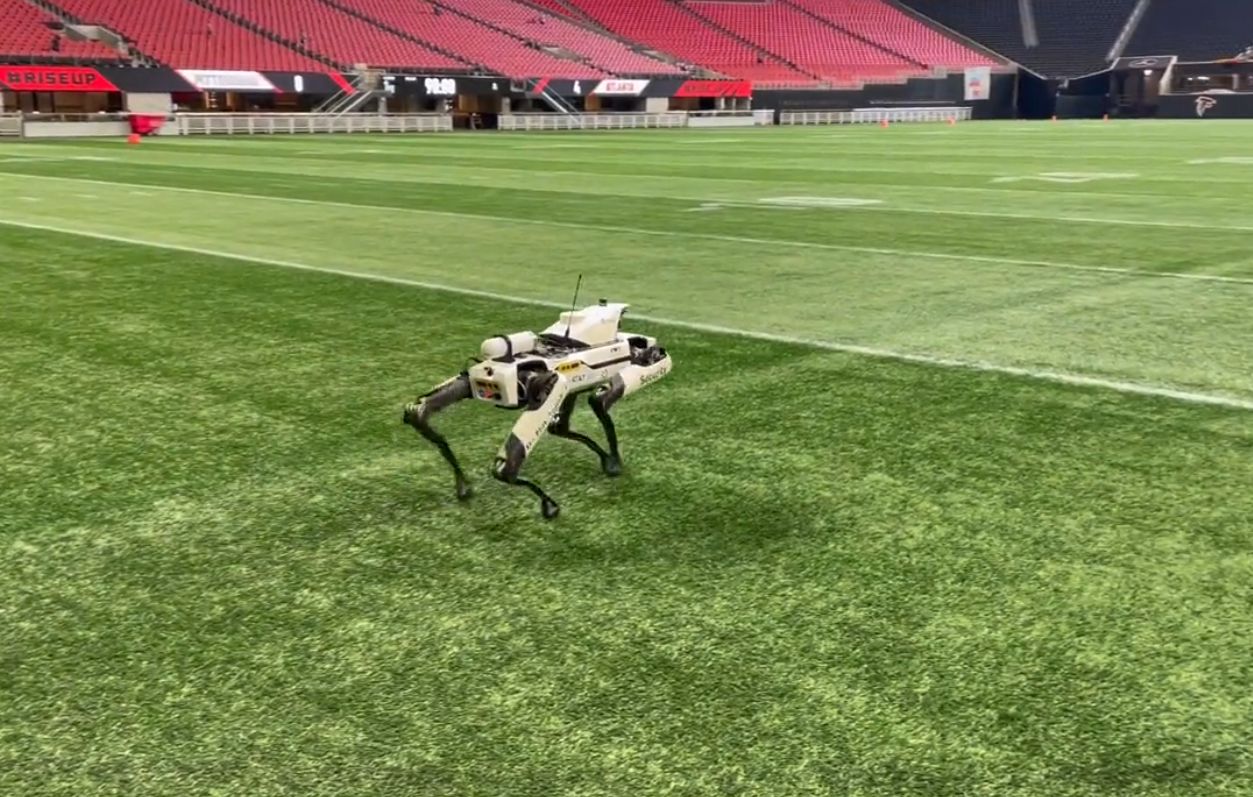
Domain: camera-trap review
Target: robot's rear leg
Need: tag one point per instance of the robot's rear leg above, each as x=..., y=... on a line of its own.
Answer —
x=418, y=415
x=609, y=461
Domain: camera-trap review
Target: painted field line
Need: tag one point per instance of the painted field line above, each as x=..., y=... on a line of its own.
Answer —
x=1159, y=391
x=739, y=239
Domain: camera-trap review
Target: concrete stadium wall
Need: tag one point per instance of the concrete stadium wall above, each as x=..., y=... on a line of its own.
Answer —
x=33, y=129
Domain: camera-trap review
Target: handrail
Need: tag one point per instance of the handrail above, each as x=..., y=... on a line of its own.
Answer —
x=955, y=113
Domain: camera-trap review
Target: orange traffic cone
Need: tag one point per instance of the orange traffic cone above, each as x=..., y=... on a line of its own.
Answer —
x=1105, y=118
x=883, y=123
x=952, y=121
x=133, y=138
x=1054, y=117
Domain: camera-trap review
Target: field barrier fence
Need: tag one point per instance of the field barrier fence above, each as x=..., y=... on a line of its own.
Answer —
x=591, y=121
x=190, y=124
x=957, y=113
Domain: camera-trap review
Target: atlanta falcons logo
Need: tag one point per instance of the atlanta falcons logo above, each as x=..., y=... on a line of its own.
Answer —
x=1203, y=104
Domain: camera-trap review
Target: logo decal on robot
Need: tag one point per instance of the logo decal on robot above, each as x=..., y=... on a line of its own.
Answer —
x=566, y=368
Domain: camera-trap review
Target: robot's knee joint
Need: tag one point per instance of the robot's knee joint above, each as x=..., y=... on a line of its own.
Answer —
x=414, y=416
x=505, y=472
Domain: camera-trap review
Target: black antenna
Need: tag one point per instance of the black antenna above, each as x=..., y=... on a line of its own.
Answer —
x=574, y=303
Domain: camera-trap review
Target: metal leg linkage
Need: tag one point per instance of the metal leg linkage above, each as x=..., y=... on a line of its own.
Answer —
x=547, y=393
x=418, y=416
x=610, y=463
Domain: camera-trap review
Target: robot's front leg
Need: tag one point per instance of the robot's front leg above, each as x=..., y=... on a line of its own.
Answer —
x=418, y=416
x=547, y=391
x=561, y=428
x=646, y=367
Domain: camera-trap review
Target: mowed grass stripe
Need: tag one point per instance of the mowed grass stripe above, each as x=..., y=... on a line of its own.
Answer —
x=688, y=180
x=1040, y=208
x=731, y=210
x=1157, y=391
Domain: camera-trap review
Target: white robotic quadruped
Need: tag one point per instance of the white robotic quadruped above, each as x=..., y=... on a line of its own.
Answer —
x=544, y=375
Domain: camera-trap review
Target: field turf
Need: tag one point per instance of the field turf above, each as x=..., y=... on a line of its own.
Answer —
x=949, y=494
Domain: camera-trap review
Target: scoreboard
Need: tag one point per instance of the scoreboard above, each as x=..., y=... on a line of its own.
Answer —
x=442, y=86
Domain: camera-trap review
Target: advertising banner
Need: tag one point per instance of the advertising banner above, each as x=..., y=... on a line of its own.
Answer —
x=227, y=80
x=54, y=78
x=714, y=88
x=620, y=88
x=978, y=82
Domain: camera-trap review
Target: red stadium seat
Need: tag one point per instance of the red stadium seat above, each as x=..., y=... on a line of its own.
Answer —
x=666, y=27
x=341, y=37
x=186, y=35
x=889, y=27
x=604, y=51
x=470, y=40
x=24, y=33
x=816, y=47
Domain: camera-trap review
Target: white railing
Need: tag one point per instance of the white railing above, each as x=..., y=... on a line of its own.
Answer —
x=10, y=124
x=590, y=121
x=190, y=124
x=876, y=115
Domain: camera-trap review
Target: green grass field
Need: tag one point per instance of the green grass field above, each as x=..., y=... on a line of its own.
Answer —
x=949, y=494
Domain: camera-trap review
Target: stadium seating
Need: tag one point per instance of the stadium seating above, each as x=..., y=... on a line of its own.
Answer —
x=666, y=27
x=1194, y=30
x=603, y=51
x=812, y=45
x=895, y=30
x=181, y=33
x=341, y=37
x=24, y=34
x=1075, y=36
x=470, y=40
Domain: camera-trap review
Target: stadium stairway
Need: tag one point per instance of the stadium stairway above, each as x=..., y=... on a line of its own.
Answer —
x=755, y=46
x=561, y=8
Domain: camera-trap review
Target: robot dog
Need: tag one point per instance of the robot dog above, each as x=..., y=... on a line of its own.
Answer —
x=544, y=375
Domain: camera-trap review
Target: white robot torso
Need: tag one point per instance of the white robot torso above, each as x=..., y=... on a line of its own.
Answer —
x=590, y=354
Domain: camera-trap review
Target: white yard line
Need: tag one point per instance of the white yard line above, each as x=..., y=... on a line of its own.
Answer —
x=739, y=239
x=1159, y=391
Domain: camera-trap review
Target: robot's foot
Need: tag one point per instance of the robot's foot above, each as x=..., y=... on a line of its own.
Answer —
x=549, y=508
x=611, y=465
x=464, y=490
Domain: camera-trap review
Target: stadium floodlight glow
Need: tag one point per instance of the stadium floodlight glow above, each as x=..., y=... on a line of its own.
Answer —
x=543, y=375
